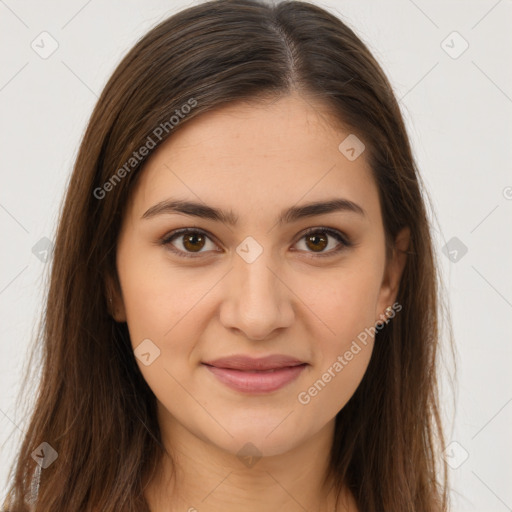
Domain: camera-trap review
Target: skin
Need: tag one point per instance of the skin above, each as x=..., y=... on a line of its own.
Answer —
x=256, y=160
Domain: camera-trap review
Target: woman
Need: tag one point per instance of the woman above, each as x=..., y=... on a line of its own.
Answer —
x=242, y=312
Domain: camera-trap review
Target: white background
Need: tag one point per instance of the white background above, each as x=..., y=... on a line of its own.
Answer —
x=458, y=112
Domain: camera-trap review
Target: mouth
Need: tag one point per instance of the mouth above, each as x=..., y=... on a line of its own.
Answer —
x=252, y=376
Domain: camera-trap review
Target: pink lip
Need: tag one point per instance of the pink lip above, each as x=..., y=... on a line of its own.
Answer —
x=261, y=375
x=257, y=381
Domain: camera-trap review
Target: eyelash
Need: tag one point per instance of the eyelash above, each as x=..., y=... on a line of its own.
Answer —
x=344, y=242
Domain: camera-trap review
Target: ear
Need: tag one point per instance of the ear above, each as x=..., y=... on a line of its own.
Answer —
x=115, y=306
x=393, y=273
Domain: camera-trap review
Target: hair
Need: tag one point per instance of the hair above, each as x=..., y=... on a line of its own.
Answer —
x=93, y=405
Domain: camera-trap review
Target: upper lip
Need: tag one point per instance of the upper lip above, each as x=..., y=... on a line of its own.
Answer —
x=241, y=362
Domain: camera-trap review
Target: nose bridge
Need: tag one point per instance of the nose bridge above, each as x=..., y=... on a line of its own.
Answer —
x=257, y=279
x=256, y=283
x=256, y=297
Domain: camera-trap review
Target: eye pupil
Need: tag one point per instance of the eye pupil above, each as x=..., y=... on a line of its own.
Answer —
x=314, y=238
x=193, y=239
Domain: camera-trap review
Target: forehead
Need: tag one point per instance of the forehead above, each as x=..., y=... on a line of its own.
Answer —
x=257, y=158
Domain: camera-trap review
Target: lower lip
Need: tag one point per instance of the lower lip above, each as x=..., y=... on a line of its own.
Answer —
x=256, y=382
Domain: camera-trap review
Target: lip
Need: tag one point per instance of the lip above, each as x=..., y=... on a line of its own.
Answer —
x=255, y=376
x=241, y=362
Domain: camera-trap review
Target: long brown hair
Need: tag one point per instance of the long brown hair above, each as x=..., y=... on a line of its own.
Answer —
x=93, y=406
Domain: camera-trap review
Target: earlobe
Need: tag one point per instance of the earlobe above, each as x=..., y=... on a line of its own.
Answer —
x=115, y=303
x=394, y=270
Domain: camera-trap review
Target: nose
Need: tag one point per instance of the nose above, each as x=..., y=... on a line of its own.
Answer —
x=257, y=300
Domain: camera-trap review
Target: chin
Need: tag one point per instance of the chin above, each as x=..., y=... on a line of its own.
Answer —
x=260, y=440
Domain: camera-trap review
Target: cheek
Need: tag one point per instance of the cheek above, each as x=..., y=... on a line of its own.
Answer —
x=344, y=338
x=344, y=303
x=156, y=296
x=158, y=311
x=163, y=305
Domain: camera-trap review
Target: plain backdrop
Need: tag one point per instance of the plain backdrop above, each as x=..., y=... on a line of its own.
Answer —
x=449, y=63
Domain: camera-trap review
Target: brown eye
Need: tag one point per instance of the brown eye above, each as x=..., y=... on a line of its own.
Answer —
x=317, y=242
x=190, y=242
x=193, y=241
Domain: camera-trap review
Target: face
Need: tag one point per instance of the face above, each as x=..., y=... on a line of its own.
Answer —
x=269, y=278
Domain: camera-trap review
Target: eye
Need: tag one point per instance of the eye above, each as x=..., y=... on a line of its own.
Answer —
x=189, y=239
x=317, y=239
x=192, y=241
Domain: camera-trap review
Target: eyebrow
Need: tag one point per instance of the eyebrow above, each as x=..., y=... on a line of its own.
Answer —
x=289, y=215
